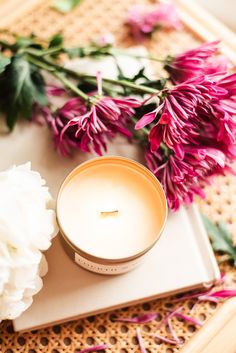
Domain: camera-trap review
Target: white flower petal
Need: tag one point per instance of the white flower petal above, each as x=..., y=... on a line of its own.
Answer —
x=27, y=225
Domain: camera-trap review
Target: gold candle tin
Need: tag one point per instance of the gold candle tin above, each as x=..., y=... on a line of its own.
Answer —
x=106, y=194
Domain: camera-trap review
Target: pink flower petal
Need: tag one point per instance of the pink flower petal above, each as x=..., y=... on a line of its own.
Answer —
x=172, y=331
x=165, y=339
x=155, y=138
x=148, y=118
x=55, y=91
x=140, y=341
x=208, y=298
x=194, y=307
x=169, y=316
x=145, y=120
x=96, y=348
x=225, y=293
x=189, y=319
x=223, y=278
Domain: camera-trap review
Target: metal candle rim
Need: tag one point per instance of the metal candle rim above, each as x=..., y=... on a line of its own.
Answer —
x=103, y=260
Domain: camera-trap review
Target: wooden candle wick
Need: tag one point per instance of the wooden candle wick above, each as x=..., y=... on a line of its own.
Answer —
x=109, y=213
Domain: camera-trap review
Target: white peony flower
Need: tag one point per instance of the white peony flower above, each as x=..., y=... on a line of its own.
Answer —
x=27, y=225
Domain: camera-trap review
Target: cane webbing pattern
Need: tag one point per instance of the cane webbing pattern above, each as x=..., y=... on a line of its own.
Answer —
x=89, y=20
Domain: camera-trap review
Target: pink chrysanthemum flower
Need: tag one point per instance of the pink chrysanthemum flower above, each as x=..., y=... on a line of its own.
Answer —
x=181, y=179
x=143, y=20
x=177, y=118
x=217, y=118
x=194, y=136
x=226, y=108
x=196, y=62
x=88, y=125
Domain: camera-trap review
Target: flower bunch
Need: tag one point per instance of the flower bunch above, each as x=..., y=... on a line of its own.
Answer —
x=185, y=121
x=27, y=223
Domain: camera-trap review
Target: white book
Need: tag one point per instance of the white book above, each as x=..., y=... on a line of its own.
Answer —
x=181, y=260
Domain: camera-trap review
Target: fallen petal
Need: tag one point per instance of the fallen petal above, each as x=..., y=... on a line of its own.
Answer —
x=164, y=339
x=140, y=341
x=96, y=348
x=189, y=319
x=225, y=293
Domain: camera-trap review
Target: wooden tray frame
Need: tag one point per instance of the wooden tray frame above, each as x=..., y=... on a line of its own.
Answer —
x=207, y=28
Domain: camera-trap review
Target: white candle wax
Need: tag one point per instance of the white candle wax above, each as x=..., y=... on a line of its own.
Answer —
x=111, y=209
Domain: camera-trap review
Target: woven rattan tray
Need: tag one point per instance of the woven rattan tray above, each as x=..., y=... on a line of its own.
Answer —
x=86, y=21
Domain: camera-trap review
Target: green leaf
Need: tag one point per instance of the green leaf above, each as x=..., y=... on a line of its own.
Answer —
x=158, y=84
x=4, y=61
x=21, y=85
x=220, y=237
x=66, y=5
x=38, y=86
x=56, y=41
x=139, y=75
x=19, y=95
x=142, y=79
x=11, y=117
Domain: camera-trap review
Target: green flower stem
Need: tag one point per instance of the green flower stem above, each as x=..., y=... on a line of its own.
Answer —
x=82, y=76
x=67, y=83
x=43, y=52
x=166, y=149
x=90, y=50
x=38, y=62
x=52, y=67
x=139, y=88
